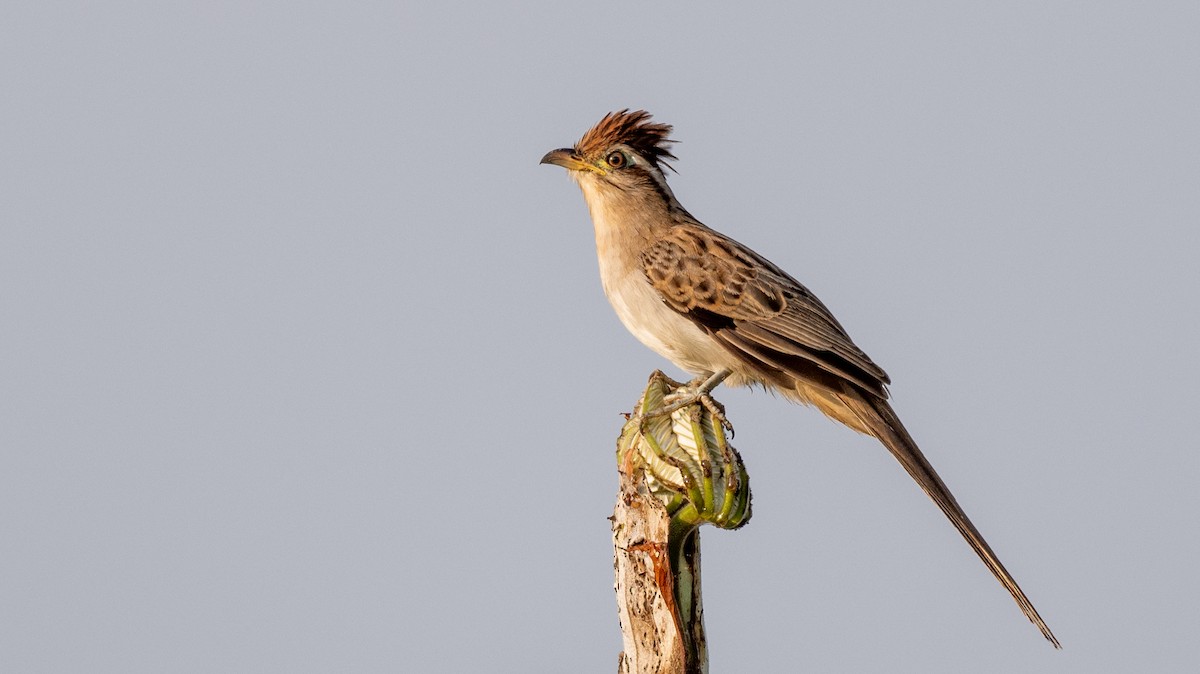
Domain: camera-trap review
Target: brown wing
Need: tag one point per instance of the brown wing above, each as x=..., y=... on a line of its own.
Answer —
x=754, y=308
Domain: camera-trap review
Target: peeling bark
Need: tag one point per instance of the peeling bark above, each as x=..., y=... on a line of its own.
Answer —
x=659, y=606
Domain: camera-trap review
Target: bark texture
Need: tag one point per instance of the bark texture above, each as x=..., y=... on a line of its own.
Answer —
x=662, y=622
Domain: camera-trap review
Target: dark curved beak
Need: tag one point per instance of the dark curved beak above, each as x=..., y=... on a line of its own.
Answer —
x=565, y=157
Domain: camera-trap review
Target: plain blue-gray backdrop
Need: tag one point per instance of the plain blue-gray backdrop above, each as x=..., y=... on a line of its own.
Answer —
x=305, y=366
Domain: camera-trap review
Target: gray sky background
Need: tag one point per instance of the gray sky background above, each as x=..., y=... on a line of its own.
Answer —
x=305, y=365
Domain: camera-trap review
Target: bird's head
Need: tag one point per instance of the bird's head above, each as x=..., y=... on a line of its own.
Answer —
x=624, y=152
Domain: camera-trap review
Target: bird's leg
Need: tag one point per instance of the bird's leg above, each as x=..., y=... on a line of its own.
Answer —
x=696, y=390
x=714, y=380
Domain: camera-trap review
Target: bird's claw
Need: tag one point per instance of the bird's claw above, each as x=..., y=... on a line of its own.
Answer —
x=695, y=391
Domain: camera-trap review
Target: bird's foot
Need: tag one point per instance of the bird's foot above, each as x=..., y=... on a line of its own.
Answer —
x=695, y=391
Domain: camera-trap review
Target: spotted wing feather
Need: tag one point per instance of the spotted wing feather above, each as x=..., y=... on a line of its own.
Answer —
x=754, y=308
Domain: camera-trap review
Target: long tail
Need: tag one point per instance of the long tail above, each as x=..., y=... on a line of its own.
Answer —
x=877, y=418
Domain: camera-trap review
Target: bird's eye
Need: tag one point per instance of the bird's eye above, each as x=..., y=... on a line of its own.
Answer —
x=615, y=159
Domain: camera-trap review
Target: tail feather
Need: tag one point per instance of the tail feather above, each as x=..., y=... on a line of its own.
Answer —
x=879, y=420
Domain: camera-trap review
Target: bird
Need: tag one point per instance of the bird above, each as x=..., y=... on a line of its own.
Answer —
x=724, y=313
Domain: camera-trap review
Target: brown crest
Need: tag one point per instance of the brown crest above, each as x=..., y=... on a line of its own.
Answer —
x=648, y=139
